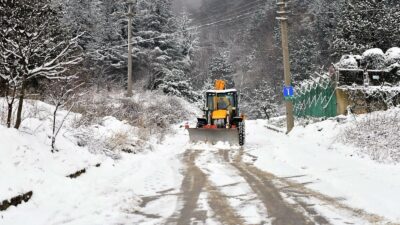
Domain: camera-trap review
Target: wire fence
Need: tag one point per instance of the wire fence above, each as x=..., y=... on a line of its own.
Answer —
x=316, y=98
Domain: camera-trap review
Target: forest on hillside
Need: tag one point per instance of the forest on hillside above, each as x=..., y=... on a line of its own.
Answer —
x=181, y=47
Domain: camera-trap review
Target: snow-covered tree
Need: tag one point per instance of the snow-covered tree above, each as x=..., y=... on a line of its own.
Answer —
x=221, y=69
x=365, y=24
x=176, y=78
x=373, y=59
x=108, y=36
x=164, y=47
x=61, y=93
x=305, y=57
x=392, y=56
x=33, y=45
x=348, y=62
x=260, y=101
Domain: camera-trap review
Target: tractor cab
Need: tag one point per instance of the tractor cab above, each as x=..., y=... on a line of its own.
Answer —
x=219, y=100
x=221, y=107
x=221, y=120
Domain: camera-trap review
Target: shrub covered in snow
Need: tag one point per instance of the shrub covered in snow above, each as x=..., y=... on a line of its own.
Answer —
x=392, y=56
x=111, y=124
x=146, y=109
x=377, y=135
x=373, y=59
x=348, y=62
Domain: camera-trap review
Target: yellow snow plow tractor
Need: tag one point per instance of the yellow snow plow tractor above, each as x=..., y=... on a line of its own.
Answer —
x=222, y=120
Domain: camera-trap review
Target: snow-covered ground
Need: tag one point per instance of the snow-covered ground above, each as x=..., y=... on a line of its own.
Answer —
x=144, y=187
x=316, y=154
x=110, y=190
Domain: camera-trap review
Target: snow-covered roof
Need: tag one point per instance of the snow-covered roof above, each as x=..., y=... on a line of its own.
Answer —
x=222, y=91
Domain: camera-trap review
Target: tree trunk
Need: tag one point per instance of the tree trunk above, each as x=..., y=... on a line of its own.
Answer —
x=20, y=105
x=266, y=113
x=9, y=115
x=10, y=105
x=53, y=138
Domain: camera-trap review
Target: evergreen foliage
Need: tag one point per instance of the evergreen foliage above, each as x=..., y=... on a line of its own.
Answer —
x=260, y=102
x=163, y=46
x=365, y=24
x=221, y=69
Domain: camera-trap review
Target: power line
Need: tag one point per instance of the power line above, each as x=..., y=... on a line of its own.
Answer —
x=239, y=21
x=221, y=7
x=233, y=11
x=364, y=10
x=242, y=16
x=126, y=45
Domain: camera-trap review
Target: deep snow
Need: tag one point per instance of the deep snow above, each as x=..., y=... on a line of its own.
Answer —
x=315, y=154
x=108, y=194
x=114, y=193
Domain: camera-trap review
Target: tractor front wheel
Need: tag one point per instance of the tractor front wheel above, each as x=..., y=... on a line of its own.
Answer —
x=242, y=133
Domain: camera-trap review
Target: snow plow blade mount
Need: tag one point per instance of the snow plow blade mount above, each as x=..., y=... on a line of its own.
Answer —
x=213, y=136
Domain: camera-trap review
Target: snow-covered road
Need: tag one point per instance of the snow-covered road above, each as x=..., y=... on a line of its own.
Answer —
x=301, y=178
x=219, y=188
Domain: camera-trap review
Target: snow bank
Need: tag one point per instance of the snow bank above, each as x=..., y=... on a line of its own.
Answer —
x=315, y=154
x=376, y=135
x=110, y=189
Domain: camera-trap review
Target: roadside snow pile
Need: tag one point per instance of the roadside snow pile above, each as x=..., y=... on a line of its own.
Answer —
x=376, y=135
x=106, y=135
x=91, y=179
x=111, y=136
x=314, y=156
x=27, y=164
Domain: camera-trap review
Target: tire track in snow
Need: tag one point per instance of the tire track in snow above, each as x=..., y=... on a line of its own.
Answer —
x=232, y=188
x=312, y=202
x=281, y=212
x=194, y=184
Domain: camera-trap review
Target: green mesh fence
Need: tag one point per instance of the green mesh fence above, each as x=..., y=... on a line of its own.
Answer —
x=315, y=98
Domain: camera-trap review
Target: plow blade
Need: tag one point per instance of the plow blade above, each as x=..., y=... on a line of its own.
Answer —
x=214, y=135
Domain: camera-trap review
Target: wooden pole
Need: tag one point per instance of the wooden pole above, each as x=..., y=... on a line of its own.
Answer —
x=286, y=62
x=130, y=78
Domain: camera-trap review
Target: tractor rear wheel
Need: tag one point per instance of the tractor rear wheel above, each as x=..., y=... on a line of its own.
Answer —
x=242, y=134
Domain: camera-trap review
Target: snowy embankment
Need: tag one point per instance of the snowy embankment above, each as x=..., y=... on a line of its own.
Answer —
x=317, y=156
x=109, y=189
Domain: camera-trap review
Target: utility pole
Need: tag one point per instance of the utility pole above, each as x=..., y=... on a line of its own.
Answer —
x=283, y=18
x=130, y=15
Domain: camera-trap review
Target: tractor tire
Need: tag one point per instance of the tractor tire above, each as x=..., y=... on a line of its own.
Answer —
x=242, y=133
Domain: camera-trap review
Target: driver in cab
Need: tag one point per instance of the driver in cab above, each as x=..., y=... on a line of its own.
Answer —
x=223, y=103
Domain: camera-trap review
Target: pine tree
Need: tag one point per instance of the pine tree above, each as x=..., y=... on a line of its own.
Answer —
x=305, y=57
x=163, y=46
x=221, y=69
x=167, y=45
x=260, y=101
